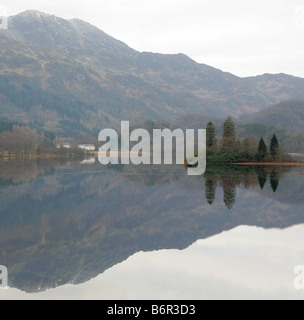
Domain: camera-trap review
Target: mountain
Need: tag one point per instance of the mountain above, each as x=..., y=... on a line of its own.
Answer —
x=288, y=115
x=285, y=119
x=69, y=77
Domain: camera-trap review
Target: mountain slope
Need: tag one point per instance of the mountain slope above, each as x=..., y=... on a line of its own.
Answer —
x=285, y=119
x=288, y=115
x=70, y=77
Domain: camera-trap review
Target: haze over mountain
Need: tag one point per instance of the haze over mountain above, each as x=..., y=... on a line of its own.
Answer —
x=288, y=115
x=68, y=76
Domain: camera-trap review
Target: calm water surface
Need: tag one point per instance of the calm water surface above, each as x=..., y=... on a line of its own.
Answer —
x=85, y=231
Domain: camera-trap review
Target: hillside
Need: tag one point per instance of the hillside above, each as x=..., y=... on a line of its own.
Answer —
x=287, y=115
x=69, y=77
x=21, y=138
x=285, y=119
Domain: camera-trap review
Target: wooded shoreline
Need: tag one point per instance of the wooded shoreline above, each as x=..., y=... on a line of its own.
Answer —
x=270, y=163
x=33, y=156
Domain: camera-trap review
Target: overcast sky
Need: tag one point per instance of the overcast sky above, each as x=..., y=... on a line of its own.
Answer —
x=243, y=37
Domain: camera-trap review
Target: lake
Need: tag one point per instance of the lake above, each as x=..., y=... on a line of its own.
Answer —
x=80, y=230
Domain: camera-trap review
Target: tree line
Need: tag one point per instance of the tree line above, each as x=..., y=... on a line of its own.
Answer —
x=229, y=149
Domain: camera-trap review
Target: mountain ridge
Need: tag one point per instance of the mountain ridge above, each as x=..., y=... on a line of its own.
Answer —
x=84, y=80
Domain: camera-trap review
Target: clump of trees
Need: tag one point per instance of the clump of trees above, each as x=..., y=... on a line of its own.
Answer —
x=21, y=139
x=229, y=149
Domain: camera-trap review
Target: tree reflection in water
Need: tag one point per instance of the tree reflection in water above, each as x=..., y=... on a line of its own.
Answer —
x=230, y=177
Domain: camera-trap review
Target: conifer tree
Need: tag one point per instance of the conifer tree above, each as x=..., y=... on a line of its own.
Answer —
x=229, y=142
x=274, y=147
x=211, y=136
x=229, y=129
x=262, y=150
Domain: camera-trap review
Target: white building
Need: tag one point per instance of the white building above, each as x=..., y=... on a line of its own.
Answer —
x=3, y=23
x=87, y=147
x=64, y=145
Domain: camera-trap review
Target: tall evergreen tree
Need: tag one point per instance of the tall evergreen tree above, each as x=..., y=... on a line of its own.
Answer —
x=229, y=142
x=211, y=136
x=274, y=147
x=262, y=150
x=229, y=129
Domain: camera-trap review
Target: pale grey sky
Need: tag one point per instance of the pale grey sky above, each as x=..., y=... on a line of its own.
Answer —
x=243, y=37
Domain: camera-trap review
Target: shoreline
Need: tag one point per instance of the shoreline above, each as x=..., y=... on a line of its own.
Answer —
x=286, y=164
x=256, y=164
x=73, y=155
x=33, y=156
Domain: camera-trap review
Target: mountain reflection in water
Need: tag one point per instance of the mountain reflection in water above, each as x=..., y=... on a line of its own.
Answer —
x=66, y=223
